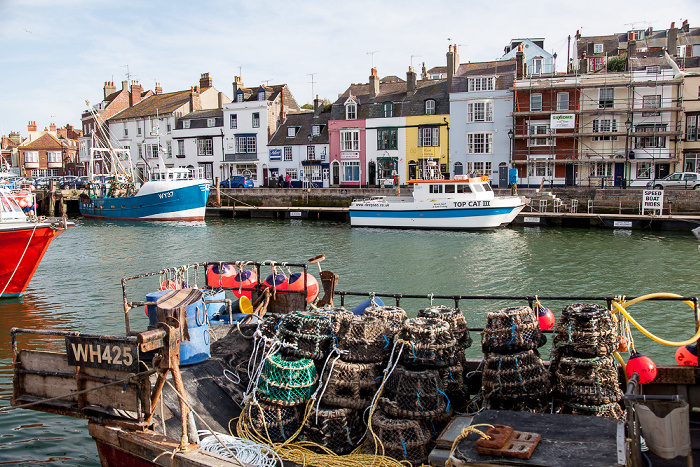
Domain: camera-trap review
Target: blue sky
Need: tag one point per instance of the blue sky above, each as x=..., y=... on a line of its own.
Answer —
x=56, y=54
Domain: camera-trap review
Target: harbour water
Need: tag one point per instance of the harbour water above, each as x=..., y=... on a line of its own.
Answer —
x=77, y=286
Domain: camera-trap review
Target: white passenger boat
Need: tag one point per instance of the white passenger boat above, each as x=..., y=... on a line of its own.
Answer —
x=459, y=204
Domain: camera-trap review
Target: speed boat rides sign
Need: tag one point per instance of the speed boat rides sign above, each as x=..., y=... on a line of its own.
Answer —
x=653, y=200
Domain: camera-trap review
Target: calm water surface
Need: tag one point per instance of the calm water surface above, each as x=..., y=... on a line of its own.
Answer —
x=77, y=285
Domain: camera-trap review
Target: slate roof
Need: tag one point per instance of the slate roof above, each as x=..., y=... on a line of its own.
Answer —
x=504, y=70
x=271, y=93
x=162, y=104
x=303, y=121
x=404, y=106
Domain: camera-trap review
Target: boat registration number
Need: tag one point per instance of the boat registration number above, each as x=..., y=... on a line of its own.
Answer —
x=102, y=352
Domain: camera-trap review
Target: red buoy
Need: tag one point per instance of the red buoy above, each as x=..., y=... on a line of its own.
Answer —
x=687, y=355
x=244, y=279
x=279, y=282
x=296, y=283
x=545, y=317
x=220, y=275
x=643, y=366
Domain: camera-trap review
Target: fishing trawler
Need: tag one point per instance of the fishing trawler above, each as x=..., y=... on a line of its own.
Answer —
x=460, y=204
x=167, y=193
x=279, y=384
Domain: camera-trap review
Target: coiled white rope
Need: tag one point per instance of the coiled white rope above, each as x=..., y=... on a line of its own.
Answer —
x=248, y=452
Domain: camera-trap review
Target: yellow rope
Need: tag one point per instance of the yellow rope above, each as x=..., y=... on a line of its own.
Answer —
x=621, y=304
x=466, y=432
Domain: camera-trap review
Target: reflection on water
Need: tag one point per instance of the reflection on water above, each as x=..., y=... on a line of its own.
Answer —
x=77, y=285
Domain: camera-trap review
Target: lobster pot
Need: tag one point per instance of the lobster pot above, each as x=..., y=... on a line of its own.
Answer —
x=338, y=316
x=287, y=380
x=585, y=331
x=455, y=318
x=273, y=423
x=402, y=439
x=269, y=326
x=453, y=380
x=414, y=394
x=367, y=339
x=394, y=315
x=512, y=330
x=309, y=333
x=516, y=376
x=216, y=308
x=336, y=428
x=611, y=410
x=351, y=385
x=586, y=381
x=430, y=343
x=197, y=348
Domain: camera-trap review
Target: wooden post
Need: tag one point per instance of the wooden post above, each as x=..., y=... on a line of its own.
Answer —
x=52, y=199
x=218, y=191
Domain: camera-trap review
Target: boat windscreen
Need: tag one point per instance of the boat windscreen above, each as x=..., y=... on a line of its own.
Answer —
x=463, y=188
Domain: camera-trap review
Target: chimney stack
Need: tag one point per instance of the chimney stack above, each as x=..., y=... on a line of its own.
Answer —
x=519, y=62
x=631, y=49
x=685, y=26
x=136, y=91
x=583, y=64
x=109, y=88
x=195, y=103
x=450, y=67
x=159, y=89
x=410, y=81
x=52, y=128
x=237, y=84
x=31, y=126
x=672, y=40
x=373, y=84
x=317, y=106
x=125, y=85
x=205, y=81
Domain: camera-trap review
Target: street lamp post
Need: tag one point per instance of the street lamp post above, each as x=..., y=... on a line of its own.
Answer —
x=628, y=167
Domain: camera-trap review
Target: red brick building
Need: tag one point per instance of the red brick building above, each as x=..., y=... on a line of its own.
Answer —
x=51, y=152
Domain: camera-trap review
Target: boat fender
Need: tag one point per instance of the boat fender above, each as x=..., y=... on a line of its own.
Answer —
x=246, y=279
x=687, y=355
x=643, y=366
x=296, y=283
x=279, y=282
x=360, y=309
x=545, y=317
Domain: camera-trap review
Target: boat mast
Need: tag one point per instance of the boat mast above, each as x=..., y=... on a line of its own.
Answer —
x=117, y=155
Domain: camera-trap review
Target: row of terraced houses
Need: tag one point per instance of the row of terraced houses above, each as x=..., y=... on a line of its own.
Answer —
x=623, y=113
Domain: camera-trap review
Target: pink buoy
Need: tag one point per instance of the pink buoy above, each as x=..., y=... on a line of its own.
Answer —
x=687, y=355
x=643, y=366
x=545, y=317
x=296, y=283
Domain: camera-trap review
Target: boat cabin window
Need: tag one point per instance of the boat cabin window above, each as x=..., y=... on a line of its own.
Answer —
x=463, y=188
x=449, y=188
x=487, y=187
x=436, y=188
x=478, y=187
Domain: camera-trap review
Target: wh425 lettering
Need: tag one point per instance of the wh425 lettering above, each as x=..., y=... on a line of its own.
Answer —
x=116, y=354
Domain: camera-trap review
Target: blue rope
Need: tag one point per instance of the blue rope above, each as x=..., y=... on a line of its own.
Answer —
x=570, y=326
x=405, y=453
x=418, y=400
x=448, y=399
x=413, y=350
x=334, y=338
x=387, y=341
x=512, y=334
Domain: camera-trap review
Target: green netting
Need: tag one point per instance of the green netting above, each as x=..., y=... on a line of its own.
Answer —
x=287, y=380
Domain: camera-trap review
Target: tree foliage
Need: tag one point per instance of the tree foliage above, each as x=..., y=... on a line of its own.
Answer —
x=617, y=64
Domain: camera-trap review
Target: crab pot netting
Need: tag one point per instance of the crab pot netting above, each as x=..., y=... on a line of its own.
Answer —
x=273, y=423
x=402, y=439
x=586, y=380
x=367, y=339
x=585, y=331
x=430, y=343
x=511, y=330
x=287, y=380
x=394, y=315
x=414, y=394
x=455, y=318
x=310, y=334
x=453, y=380
x=515, y=376
x=269, y=326
x=611, y=410
x=337, y=315
x=336, y=428
x=351, y=384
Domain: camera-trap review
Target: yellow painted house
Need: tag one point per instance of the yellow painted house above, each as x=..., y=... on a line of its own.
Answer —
x=427, y=145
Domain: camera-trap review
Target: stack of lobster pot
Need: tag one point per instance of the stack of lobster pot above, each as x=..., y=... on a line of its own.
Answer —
x=583, y=369
x=414, y=405
x=514, y=376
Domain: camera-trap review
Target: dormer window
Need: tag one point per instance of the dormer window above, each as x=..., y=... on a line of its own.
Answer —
x=261, y=95
x=388, y=109
x=537, y=65
x=315, y=130
x=239, y=96
x=597, y=48
x=430, y=107
x=291, y=132
x=211, y=122
x=185, y=124
x=350, y=109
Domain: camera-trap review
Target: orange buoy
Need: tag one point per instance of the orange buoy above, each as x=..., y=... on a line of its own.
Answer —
x=219, y=275
x=169, y=285
x=296, y=283
x=687, y=355
x=279, y=281
x=643, y=366
x=245, y=279
x=545, y=317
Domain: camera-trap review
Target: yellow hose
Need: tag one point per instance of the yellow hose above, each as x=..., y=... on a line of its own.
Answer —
x=621, y=308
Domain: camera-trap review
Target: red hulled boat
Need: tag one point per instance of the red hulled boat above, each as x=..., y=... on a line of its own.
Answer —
x=23, y=241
